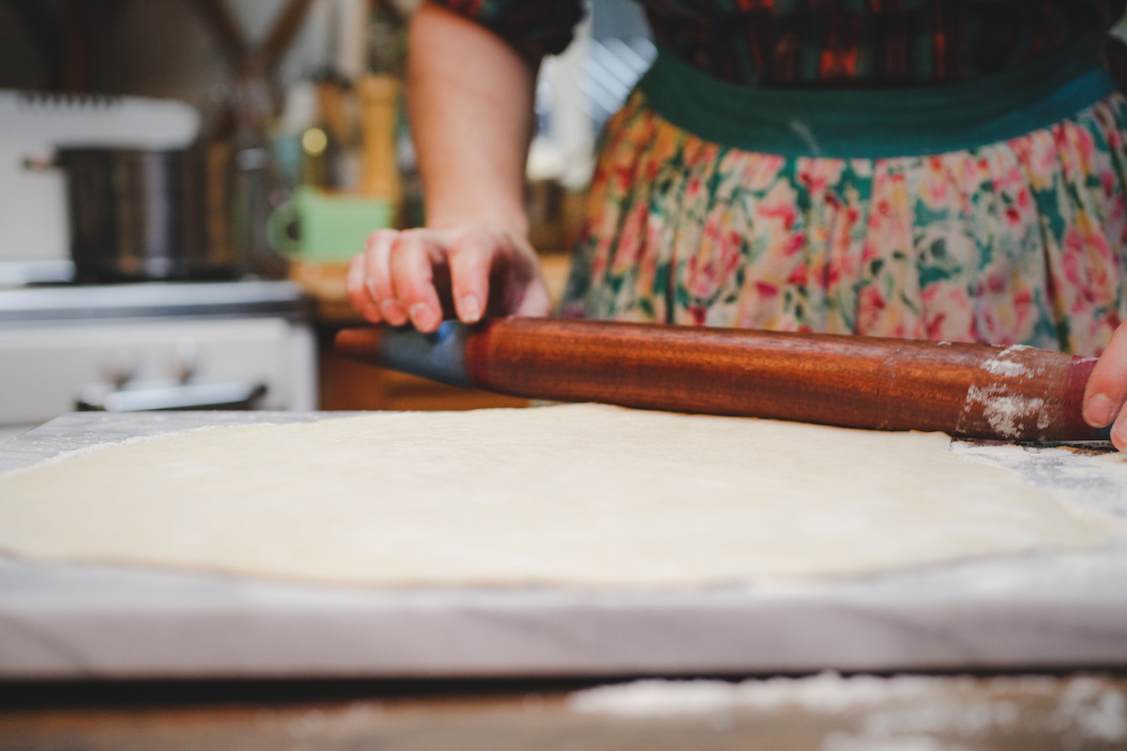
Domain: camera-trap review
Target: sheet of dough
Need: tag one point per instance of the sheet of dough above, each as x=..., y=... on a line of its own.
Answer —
x=578, y=494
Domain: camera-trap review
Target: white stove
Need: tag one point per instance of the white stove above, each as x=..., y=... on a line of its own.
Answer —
x=223, y=345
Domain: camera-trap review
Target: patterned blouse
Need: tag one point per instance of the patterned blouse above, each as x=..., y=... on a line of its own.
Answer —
x=839, y=42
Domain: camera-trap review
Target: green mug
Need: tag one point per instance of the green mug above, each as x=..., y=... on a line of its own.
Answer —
x=321, y=227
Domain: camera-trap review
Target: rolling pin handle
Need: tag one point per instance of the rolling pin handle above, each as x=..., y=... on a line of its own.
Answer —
x=439, y=356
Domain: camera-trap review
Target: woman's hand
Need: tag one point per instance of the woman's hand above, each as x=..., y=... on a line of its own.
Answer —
x=1105, y=398
x=405, y=276
x=471, y=125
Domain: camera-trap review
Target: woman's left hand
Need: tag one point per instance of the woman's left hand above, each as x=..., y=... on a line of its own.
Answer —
x=1105, y=398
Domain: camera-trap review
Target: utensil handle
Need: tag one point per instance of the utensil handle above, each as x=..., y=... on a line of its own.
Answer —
x=278, y=224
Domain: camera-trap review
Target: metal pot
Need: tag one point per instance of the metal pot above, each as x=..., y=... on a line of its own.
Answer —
x=139, y=214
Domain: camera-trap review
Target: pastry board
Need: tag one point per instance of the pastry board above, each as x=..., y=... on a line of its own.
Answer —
x=1035, y=611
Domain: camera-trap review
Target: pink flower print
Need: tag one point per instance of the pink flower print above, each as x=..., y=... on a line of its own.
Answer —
x=780, y=205
x=1024, y=316
x=795, y=243
x=798, y=276
x=651, y=250
x=699, y=280
x=935, y=186
x=1084, y=145
x=1037, y=153
x=760, y=170
x=766, y=289
x=948, y=313
x=1107, y=182
x=731, y=254
x=861, y=167
x=870, y=307
x=704, y=153
x=623, y=177
x=786, y=214
x=629, y=248
x=716, y=261
x=818, y=174
x=1086, y=260
x=831, y=275
x=1008, y=180
x=598, y=266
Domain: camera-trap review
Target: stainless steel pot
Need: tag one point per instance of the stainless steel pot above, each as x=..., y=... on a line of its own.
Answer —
x=138, y=214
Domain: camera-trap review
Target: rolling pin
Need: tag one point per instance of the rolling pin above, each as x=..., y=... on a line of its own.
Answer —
x=971, y=390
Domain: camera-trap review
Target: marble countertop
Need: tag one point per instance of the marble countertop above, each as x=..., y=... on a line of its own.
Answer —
x=1014, y=612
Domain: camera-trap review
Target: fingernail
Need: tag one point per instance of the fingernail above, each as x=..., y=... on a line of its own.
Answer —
x=422, y=316
x=391, y=310
x=471, y=309
x=1099, y=410
x=1119, y=435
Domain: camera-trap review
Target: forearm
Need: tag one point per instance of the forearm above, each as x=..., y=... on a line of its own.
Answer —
x=470, y=102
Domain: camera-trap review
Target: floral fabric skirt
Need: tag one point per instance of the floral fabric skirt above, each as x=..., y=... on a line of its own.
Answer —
x=1021, y=240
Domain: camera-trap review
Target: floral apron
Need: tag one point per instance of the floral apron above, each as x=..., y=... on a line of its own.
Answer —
x=992, y=210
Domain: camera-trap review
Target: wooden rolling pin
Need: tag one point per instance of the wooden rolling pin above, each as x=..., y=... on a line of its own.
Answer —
x=1013, y=394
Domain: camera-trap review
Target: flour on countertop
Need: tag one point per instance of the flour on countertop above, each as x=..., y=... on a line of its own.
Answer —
x=902, y=712
x=1095, y=480
x=1096, y=711
x=846, y=742
x=825, y=692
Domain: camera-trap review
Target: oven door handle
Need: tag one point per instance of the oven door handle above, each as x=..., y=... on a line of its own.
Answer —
x=234, y=396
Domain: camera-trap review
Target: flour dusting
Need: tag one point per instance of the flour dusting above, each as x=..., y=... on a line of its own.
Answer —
x=1003, y=365
x=1096, y=711
x=825, y=692
x=919, y=713
x=1006, y=413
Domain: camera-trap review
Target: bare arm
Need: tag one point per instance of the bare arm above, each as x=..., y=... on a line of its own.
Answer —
x=470, y=101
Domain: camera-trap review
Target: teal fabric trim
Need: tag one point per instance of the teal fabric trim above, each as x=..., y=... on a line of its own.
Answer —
x=877, y=123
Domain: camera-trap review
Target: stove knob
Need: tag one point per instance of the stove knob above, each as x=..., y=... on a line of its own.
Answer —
x=119, y=369
x=185, y=360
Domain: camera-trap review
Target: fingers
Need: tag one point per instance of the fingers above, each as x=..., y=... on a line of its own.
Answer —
x=377, y=274
x=535, y=303
x=1106, y=391
x=471, y=259
x=1119, y=429
x=404, y=276
x=412, y=261
x=358, y=295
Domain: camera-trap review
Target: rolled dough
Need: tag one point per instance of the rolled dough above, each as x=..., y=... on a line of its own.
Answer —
x=578, y=494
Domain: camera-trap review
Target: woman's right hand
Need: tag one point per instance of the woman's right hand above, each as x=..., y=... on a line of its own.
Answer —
x=404, y=276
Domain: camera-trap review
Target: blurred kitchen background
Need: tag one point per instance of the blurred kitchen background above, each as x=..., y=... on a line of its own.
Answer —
x=182, y=182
